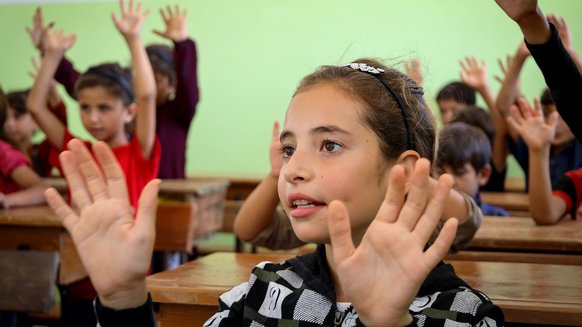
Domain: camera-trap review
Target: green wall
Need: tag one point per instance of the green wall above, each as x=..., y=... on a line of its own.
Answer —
x=253, y=53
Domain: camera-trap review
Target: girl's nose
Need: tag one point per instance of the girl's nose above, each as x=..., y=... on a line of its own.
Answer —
x=298, y=168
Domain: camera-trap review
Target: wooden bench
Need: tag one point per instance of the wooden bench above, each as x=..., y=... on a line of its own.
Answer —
x=527, y=293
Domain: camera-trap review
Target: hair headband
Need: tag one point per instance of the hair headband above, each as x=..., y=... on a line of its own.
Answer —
x=373, y=71
x=115, y=77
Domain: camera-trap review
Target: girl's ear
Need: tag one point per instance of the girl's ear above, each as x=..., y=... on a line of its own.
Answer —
x=407, y=159
x=130, y=113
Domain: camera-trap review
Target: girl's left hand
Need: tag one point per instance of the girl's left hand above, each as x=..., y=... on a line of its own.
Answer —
x=392, y=250
x=175, y=21
x=131, y=20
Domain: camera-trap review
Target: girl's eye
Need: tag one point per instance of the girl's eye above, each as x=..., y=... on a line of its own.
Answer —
x=84, y=107
x=287, y=151
x=330, y=146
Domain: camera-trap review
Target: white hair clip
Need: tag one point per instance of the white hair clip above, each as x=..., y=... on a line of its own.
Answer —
x=363, y=67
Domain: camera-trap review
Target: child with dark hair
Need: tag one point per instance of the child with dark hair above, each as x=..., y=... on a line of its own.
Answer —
x=19, y=184
x=355, y=179
x=549, y=202
x=465, y=152
x=108, y=101
x=452, y=97
x=478, y=117
x=176, y=77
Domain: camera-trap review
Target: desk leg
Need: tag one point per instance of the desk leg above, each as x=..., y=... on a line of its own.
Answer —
x=184, y=315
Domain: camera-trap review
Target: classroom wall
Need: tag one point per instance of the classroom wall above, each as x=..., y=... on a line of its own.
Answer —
x=253, y=53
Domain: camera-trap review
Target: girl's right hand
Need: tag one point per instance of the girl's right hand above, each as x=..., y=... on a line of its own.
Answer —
x=57, y=42
x=176, y=27
x=38, y=31
x=275, y=156
x=131, y=21
x=114, y=247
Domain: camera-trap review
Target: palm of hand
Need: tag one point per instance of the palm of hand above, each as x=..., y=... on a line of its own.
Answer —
x=536, y=133
x=396, y=256
x=475, y=78
x=130, y=24
x=107, y=227
x=176, y=29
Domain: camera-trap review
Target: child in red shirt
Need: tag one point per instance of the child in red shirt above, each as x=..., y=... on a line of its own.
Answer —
x=108, y=101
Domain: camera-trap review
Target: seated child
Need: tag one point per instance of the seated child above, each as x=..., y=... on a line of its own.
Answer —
x=20, y=128
x=478, y=117
x=453, y=97
x=548, y=205
x=354, y=180
x=465, y=153
x=19, y=184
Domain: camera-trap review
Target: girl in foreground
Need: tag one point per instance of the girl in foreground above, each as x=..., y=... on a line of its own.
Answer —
x=355, y=177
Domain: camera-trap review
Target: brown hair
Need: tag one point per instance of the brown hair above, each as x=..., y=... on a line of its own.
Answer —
x=382, y=112
x=115, y=79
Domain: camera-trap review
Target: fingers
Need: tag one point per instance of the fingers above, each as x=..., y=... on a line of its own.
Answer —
x=395, y=195
x=79, y=193
x=93, y=177
x=147, y=209
x=340, y=232
x=553, y=119
x=437, y=251
x=432, y=215
x=275, y=135
x=116, y=184
x=416, y=199
x=61, y=209
x=122, y=7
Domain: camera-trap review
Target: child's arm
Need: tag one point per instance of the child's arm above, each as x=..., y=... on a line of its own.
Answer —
x=57, y=43
x=392, y=250
x=566, y=37
x=509, y=91
x=474, y=74
x=65, y=74
x=114, y=247
x=538, y=134
x=31, y=185
x=559, y=70
x=257, y=211
x=129, y=25
x=185, y=64
x=55, y=101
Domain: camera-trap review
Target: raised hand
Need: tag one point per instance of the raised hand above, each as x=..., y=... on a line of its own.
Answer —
x=57, y=42
x=275, y=152
x=531, y=125
x=392, y=249
x=413, y=70
x=115, y=248
x=474, y=73
x=563, y=30
x=131, y=21
x=38, y=30
x=35, y=69
x=176, y=27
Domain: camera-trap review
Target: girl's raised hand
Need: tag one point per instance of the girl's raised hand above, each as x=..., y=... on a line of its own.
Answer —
x=275, y=157
x=115, y=248
x=518, y=9
x=530, y=124
x=474, y=73
x=38, y=30
x=131, y=21
x=57, y=42
x=175, y=21
x=392, y=249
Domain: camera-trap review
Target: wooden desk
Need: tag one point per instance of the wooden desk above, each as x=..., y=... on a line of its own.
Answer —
x=527, y=293
x=241, y=185
x=188, y=295
x=37, y=228
x=523, y=235
x=515, y=184
x=516, y=203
